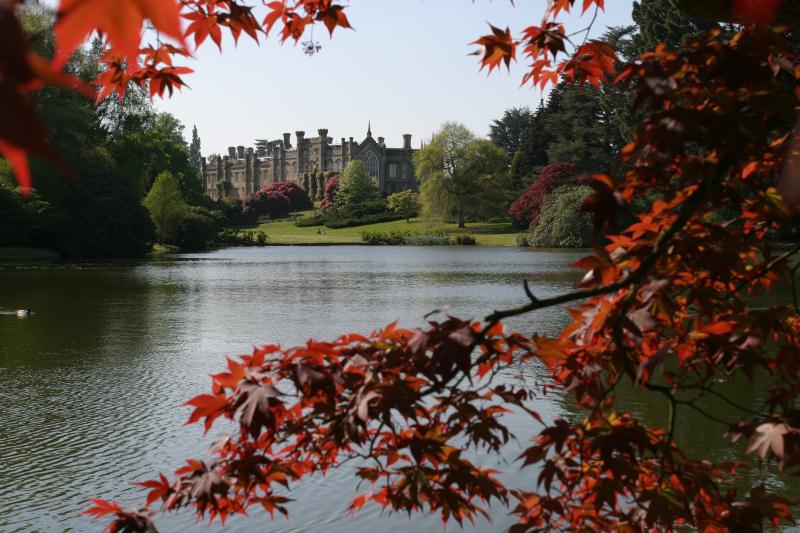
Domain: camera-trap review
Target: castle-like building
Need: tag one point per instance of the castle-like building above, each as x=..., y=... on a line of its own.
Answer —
x=246, y=170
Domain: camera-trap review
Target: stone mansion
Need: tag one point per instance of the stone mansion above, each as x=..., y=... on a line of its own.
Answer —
x=245, y=170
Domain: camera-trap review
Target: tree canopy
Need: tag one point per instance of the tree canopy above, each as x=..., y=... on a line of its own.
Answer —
x=460, y=175
x=166, y=206
x=356, y=186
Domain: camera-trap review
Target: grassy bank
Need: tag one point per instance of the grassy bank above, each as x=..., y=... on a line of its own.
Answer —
x=285, y=231
x=18, y=253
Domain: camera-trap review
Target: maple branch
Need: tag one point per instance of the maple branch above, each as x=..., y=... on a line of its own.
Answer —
x=724, y=399
x=687, y=210
x=673, y=407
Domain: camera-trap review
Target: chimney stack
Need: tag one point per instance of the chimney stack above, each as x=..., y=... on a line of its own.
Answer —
x=240, y=152
x=406, y=141
x=287, y=140
x=231, y=152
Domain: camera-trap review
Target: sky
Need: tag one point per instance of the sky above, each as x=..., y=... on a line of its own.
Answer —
x=405, y=68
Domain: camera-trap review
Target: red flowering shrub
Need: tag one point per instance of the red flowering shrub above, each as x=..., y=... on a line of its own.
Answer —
x=525, y=210
x=267, y=202
x=297, y=196
x=331, y=187
x=276, y=200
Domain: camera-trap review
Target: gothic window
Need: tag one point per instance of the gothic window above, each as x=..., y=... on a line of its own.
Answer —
x=392, y=170
x=371, y=163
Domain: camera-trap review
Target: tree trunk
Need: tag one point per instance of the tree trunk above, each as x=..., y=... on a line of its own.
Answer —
x=461, y=218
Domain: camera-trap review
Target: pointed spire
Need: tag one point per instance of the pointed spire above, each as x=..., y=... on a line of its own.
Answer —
x=369, y=129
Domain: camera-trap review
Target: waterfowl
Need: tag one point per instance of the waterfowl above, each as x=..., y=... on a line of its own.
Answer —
x=23, y=313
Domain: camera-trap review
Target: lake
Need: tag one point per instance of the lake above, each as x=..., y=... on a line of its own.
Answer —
x=92, y=385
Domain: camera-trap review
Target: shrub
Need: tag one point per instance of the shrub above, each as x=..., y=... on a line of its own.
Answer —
x=561, y=223
x=525, y=210
x=405, y=203
x=329, y=196
x=372, y=207
x=298, y=197
x=268, y=203
x=522, y=240
x=432, y=238
x=383, y=237
x=242, y=238
x=465, y=240
x=276, y=200
x=405, y=237
x=196, y=229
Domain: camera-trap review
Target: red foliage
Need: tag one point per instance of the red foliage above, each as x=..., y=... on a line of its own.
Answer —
x=298, y=197
x=306, y=409
x=276, y=200
x=267, y=203
x=667, y=307
x=329, y=197
x=525, y=209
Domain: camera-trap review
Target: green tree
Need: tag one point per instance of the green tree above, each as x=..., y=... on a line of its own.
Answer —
x=458, y=174
x=659, y=21
x=581, y=129
x=98, y=212
x=405, y=203
x=152, y=144
x=195, y=154
x=356, y=186
x=196, y=229
x=512, y=130
x=166, y=206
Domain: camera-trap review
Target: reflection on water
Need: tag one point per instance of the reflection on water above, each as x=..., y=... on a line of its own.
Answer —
x=92, y=385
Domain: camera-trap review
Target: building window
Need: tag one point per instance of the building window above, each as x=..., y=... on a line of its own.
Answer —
x=392, y=170
x=371, y=163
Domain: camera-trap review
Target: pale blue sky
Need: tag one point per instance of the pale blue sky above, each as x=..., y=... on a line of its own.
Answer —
x=405, y=67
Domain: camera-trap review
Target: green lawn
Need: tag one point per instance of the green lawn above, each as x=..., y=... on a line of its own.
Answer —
x=285, y=232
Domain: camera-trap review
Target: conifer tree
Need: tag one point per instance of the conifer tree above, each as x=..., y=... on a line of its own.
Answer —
x=195, y=155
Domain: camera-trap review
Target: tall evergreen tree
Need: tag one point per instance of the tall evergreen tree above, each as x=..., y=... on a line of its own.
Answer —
x=511, y=131
x=519, y=132
x=195, y=154
x=659, y=21
x=581, y=130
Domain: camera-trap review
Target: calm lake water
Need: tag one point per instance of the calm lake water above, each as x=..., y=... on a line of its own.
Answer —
x=92, y=385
